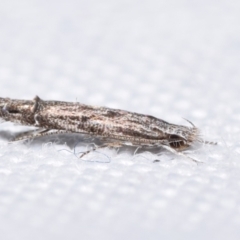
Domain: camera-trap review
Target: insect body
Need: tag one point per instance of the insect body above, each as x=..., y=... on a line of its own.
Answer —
x=119, y=127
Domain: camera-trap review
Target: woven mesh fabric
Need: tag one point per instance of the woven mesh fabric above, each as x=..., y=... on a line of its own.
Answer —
x=170, y=59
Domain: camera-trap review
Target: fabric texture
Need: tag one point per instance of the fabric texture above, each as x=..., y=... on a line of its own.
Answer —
x=170, y=59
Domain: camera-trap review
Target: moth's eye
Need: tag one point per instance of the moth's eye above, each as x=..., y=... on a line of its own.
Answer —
x=174, y=137
x=176, y=141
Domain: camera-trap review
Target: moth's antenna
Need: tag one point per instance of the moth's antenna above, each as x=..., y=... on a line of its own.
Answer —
x=207, y=142
x=189, y=122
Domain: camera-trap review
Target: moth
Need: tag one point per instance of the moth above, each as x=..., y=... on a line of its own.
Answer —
x=117, y=127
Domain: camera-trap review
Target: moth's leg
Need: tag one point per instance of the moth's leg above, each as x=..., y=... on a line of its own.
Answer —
x=135, y=152
x=36, y=133
x=172, y=150
x=49, y=132
x=110, y=145
x=27, y=134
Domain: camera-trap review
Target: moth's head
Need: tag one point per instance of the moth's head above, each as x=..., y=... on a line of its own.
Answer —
x=17, y=111
x=184, y=137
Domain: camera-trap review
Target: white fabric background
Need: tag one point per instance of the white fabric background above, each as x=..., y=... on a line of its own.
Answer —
x=170, y=59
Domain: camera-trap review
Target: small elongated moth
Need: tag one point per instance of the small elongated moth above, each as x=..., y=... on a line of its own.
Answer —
x=117, y=127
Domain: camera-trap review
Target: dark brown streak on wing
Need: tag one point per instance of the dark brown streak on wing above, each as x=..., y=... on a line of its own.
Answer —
x=112, y=123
